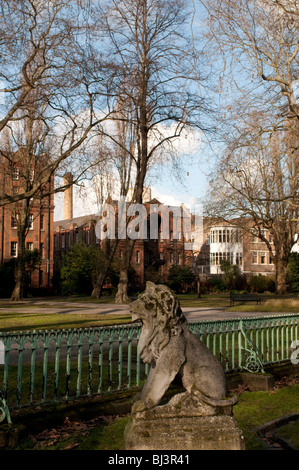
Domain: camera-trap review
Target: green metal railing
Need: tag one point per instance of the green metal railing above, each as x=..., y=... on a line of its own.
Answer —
x=53, y=366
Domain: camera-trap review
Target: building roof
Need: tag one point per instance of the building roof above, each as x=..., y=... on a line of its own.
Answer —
x=68, y=224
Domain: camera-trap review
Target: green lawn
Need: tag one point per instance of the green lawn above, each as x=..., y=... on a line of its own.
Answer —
x=19, y=321
x=14, y=318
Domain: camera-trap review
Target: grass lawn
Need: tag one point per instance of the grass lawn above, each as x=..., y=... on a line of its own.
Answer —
x=15, y=316
x=20, y=321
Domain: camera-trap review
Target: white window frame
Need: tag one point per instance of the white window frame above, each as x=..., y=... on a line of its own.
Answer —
x=15, y=250
x=15, y=173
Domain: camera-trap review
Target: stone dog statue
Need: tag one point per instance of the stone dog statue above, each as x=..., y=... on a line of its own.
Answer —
x=167, y=344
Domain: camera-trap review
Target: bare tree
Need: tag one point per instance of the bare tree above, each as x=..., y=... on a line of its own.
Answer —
x=46, y=46
x=18, y=171
x=256, y=185
x=148, y=39
x=119, y=160
x=258, y=43
x=256, y=178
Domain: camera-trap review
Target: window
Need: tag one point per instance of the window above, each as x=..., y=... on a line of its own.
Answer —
x=138, y=257
x=254, y=237
x=161, y=255
x=14, y=222
x=63, y=240
x=30, y=222
x=42, y=222
x=238, y=236
x=263, y=257
x=29, y=246
x=254, y=257
x=42, y=250
x=214, y=236
x=15, y=174
x=179, y=258
x=13, y=249
x=239, y=259
x=171, y=258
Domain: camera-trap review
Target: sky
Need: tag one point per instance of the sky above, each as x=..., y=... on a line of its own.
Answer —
x=188, y=188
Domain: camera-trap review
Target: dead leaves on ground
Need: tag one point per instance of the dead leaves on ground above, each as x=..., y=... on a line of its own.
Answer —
x=68, y=436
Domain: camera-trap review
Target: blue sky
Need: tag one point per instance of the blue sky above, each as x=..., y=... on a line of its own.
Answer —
x=186, y=184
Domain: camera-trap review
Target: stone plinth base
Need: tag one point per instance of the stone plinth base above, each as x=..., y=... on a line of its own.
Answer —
x=257, y=381
x=189, y=433
x=176, y=427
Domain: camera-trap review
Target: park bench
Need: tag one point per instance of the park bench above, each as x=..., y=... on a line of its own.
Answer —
x=244, y=298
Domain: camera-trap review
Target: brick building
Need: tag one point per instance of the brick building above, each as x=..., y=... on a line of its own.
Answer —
x=155, y=254
x=40, y=228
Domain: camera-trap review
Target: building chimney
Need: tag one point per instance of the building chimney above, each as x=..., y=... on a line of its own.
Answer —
x=68, y=197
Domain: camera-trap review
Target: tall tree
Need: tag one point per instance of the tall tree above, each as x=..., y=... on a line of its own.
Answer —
x=258, y=42
x=258, y=50
x=119, y=152
x=151, y=48
x=256, y=184
x=45, y=46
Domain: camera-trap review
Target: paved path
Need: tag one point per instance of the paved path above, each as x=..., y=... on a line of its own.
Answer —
x=77, y=307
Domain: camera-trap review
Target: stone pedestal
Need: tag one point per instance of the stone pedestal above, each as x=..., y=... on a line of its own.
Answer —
x=184, y=424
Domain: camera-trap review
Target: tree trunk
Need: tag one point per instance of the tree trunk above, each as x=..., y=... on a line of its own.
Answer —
x=110, y=249
x=98, y=285
x=122, y=289
x=121, y=296
x=18, y=291
x=198, y=287
x=281, y=276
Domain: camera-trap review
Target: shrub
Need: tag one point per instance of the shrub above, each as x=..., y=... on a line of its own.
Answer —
x=180, y=278
x=231, y=276
x=293, y=271
x=7, y=278
x=261, y=283
x=78, y=266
